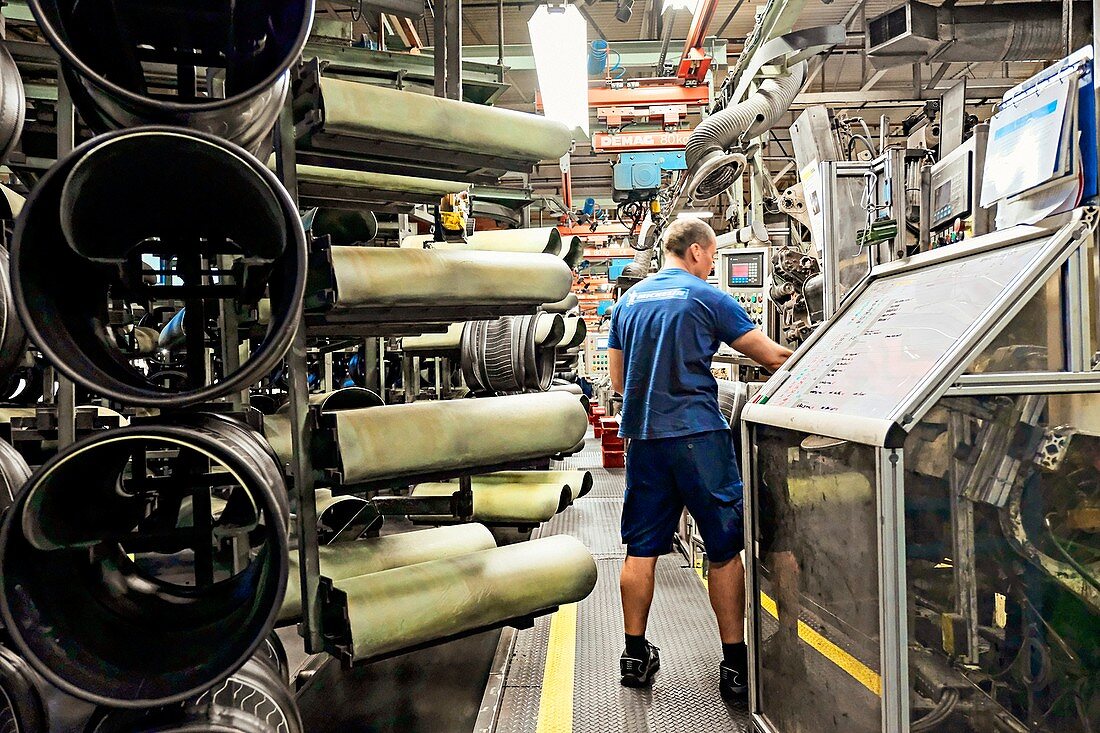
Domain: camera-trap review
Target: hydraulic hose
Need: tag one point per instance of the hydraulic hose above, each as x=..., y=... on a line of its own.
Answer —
x=708, y=143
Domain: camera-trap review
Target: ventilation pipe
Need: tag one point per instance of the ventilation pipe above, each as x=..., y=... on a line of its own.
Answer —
x=917, y=32
x=711, y=167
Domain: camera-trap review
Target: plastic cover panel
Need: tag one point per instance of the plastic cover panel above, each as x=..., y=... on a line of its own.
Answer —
x=816, y=575
x=845, y=218
x=876, y=352
x=1033, y=341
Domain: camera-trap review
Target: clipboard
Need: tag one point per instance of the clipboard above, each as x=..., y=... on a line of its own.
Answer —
x=1044, y=133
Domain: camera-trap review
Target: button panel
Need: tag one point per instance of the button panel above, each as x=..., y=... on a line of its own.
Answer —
x=753, y=302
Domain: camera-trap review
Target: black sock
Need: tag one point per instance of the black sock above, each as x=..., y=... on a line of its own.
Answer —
x=736, y=656
x=635, y=646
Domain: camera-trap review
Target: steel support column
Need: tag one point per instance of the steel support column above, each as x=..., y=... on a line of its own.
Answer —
x=303, y=494
x=66, y=390
x=452, y=46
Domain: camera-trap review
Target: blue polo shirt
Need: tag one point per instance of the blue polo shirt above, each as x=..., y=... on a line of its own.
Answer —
x=669, y=326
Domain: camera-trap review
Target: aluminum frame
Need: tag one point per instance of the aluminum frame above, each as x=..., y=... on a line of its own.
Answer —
x=1069, y=233
x=1068, y=253
x=830, y=171
x=893, y=617
x=893, y=631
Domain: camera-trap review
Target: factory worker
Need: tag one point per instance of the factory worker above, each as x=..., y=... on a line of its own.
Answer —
x=664, y=334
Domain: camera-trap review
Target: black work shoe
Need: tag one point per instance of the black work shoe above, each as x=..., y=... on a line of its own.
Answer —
x=639, y=672
x=733, y=684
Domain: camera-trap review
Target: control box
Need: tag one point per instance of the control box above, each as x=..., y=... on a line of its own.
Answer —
x=746, y=275
x=952, y=194
x=595, y=353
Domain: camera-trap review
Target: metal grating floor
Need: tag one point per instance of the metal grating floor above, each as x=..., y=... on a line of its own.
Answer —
x=684, y=696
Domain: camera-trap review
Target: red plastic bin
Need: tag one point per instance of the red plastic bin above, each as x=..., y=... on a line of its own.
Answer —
x=614, y=459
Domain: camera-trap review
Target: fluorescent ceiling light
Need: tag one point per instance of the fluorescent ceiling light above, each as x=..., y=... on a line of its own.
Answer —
x=681, y=5
x=559, y=41
x=702, y=214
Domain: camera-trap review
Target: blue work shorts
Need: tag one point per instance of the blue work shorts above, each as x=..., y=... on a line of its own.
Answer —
x=695, y=471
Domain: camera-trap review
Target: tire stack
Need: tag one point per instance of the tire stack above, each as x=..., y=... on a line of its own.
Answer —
x=142, y=567
x=511, y=355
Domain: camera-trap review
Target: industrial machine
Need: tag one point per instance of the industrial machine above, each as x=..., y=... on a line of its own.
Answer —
x=746, y=275
x=922, y=488
x=595, y=354
x=638, y=176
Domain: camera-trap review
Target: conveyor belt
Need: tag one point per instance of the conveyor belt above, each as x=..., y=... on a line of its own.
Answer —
x=684, y=696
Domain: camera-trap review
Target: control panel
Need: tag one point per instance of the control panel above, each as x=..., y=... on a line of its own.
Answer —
x=595, y=353
x=951, y=194
x=954, y=213
x=745, y=276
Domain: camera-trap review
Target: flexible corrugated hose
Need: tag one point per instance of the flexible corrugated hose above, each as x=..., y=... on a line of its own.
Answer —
x=750, y=118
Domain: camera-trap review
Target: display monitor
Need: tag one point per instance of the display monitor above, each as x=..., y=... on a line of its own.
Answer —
x=882, y=346
x=745, y=270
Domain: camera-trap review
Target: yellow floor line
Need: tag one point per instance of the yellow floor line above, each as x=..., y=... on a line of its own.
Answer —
x=860, y=672
x=556, y=703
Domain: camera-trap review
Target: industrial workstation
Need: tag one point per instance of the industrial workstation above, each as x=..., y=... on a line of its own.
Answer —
x=549, y=366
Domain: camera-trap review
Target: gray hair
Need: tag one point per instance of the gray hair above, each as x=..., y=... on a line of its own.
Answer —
x=683, y=233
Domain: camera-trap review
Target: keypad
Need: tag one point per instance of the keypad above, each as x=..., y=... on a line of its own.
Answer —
x=741, y=278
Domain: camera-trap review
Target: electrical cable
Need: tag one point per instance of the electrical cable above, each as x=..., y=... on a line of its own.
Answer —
x=618, y=64
x=1041, y=679
x=868, y=137
x=866, y=143
x=943, y=709
x=357, y=12
x=1081, y=570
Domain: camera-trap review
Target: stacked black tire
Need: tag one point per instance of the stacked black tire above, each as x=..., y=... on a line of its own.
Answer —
x=142, y=568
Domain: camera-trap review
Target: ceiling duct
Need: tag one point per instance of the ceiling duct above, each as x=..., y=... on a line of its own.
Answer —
x=917, y=32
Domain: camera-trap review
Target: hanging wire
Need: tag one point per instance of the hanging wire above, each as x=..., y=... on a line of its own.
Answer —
x=357, y=12
x=1085, y=574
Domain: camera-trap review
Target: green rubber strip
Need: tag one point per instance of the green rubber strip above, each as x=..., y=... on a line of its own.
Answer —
x=405, y=607
x=351, y=559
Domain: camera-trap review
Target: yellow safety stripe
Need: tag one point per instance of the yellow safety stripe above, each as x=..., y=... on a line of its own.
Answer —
x=860, y=672
x=556, y=702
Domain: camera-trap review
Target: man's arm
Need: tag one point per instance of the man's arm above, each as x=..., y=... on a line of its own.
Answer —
x=760, y=349
x=615, y=369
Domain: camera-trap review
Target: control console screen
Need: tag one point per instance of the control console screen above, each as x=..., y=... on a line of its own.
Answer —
x=745, y=270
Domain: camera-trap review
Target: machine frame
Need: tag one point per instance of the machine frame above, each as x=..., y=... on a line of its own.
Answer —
x=1070, y=245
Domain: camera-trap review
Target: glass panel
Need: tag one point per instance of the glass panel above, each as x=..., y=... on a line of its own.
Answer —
x=817, y=575
x=844, y=218
x=1002, y=505
x=1033, y=341
x=897, y=331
